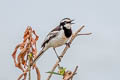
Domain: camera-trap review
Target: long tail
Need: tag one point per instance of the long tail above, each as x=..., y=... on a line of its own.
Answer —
x=38, y=56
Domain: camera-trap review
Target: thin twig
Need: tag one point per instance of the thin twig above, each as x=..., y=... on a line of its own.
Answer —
x=29, y=73
x=84, y=34
x=73, y=73
x=29, y=68
x=64, y=51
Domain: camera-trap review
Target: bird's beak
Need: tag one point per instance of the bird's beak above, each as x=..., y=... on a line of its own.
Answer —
x=72, y=22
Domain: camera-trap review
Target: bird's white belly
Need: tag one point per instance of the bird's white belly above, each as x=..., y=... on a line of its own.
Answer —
x=58, y=40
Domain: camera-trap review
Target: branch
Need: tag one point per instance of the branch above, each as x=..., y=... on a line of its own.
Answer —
x=84, y=34
x=30, y=74
x=29, y=68
x=69, y=75
x=64, y=51
x=73, y=73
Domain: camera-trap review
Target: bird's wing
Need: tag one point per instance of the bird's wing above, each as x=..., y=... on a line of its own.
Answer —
x=51, y=35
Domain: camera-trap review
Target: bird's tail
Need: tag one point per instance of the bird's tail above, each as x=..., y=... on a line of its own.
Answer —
x=38, y=56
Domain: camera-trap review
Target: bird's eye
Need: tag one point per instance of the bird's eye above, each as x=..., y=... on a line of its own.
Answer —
x=63, y=23
x=68, y=22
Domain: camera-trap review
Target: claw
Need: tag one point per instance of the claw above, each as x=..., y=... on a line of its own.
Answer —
x=68, y=44
x=61, y=56
x=59, y=59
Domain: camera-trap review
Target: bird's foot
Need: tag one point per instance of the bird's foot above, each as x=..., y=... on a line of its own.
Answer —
x=68, y=44
x=59, y=58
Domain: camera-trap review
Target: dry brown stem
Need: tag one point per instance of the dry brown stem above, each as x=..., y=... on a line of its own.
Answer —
x=65, y=49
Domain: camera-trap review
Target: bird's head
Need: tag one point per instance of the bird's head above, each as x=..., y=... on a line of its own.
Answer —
x=66, y=22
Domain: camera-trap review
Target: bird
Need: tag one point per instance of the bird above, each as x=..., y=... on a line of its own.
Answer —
x=57, y=37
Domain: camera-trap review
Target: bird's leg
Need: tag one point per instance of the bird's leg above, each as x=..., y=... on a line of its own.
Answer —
x=57, y=54
x=68, y=44
x=58, y=66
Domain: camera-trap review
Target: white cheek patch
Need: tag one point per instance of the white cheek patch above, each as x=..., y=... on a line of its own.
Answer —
x=68, y=26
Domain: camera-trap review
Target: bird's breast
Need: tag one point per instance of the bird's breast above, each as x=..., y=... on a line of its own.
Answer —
x=59, y=40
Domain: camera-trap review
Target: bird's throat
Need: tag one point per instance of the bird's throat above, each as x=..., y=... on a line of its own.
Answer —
x=68, y=32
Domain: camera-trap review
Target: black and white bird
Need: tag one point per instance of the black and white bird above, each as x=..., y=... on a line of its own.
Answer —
x=57, y=37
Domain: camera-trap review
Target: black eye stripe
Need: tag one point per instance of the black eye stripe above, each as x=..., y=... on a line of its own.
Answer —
x=67, y=22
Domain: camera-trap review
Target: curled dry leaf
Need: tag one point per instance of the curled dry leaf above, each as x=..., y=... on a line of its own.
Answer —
x=23, y=74
x=69, y=74
x=25, y=48
x=38, y=73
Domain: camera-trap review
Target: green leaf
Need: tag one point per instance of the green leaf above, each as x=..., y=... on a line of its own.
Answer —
x=62, y=71
x=30, y=55
x=53, y=73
